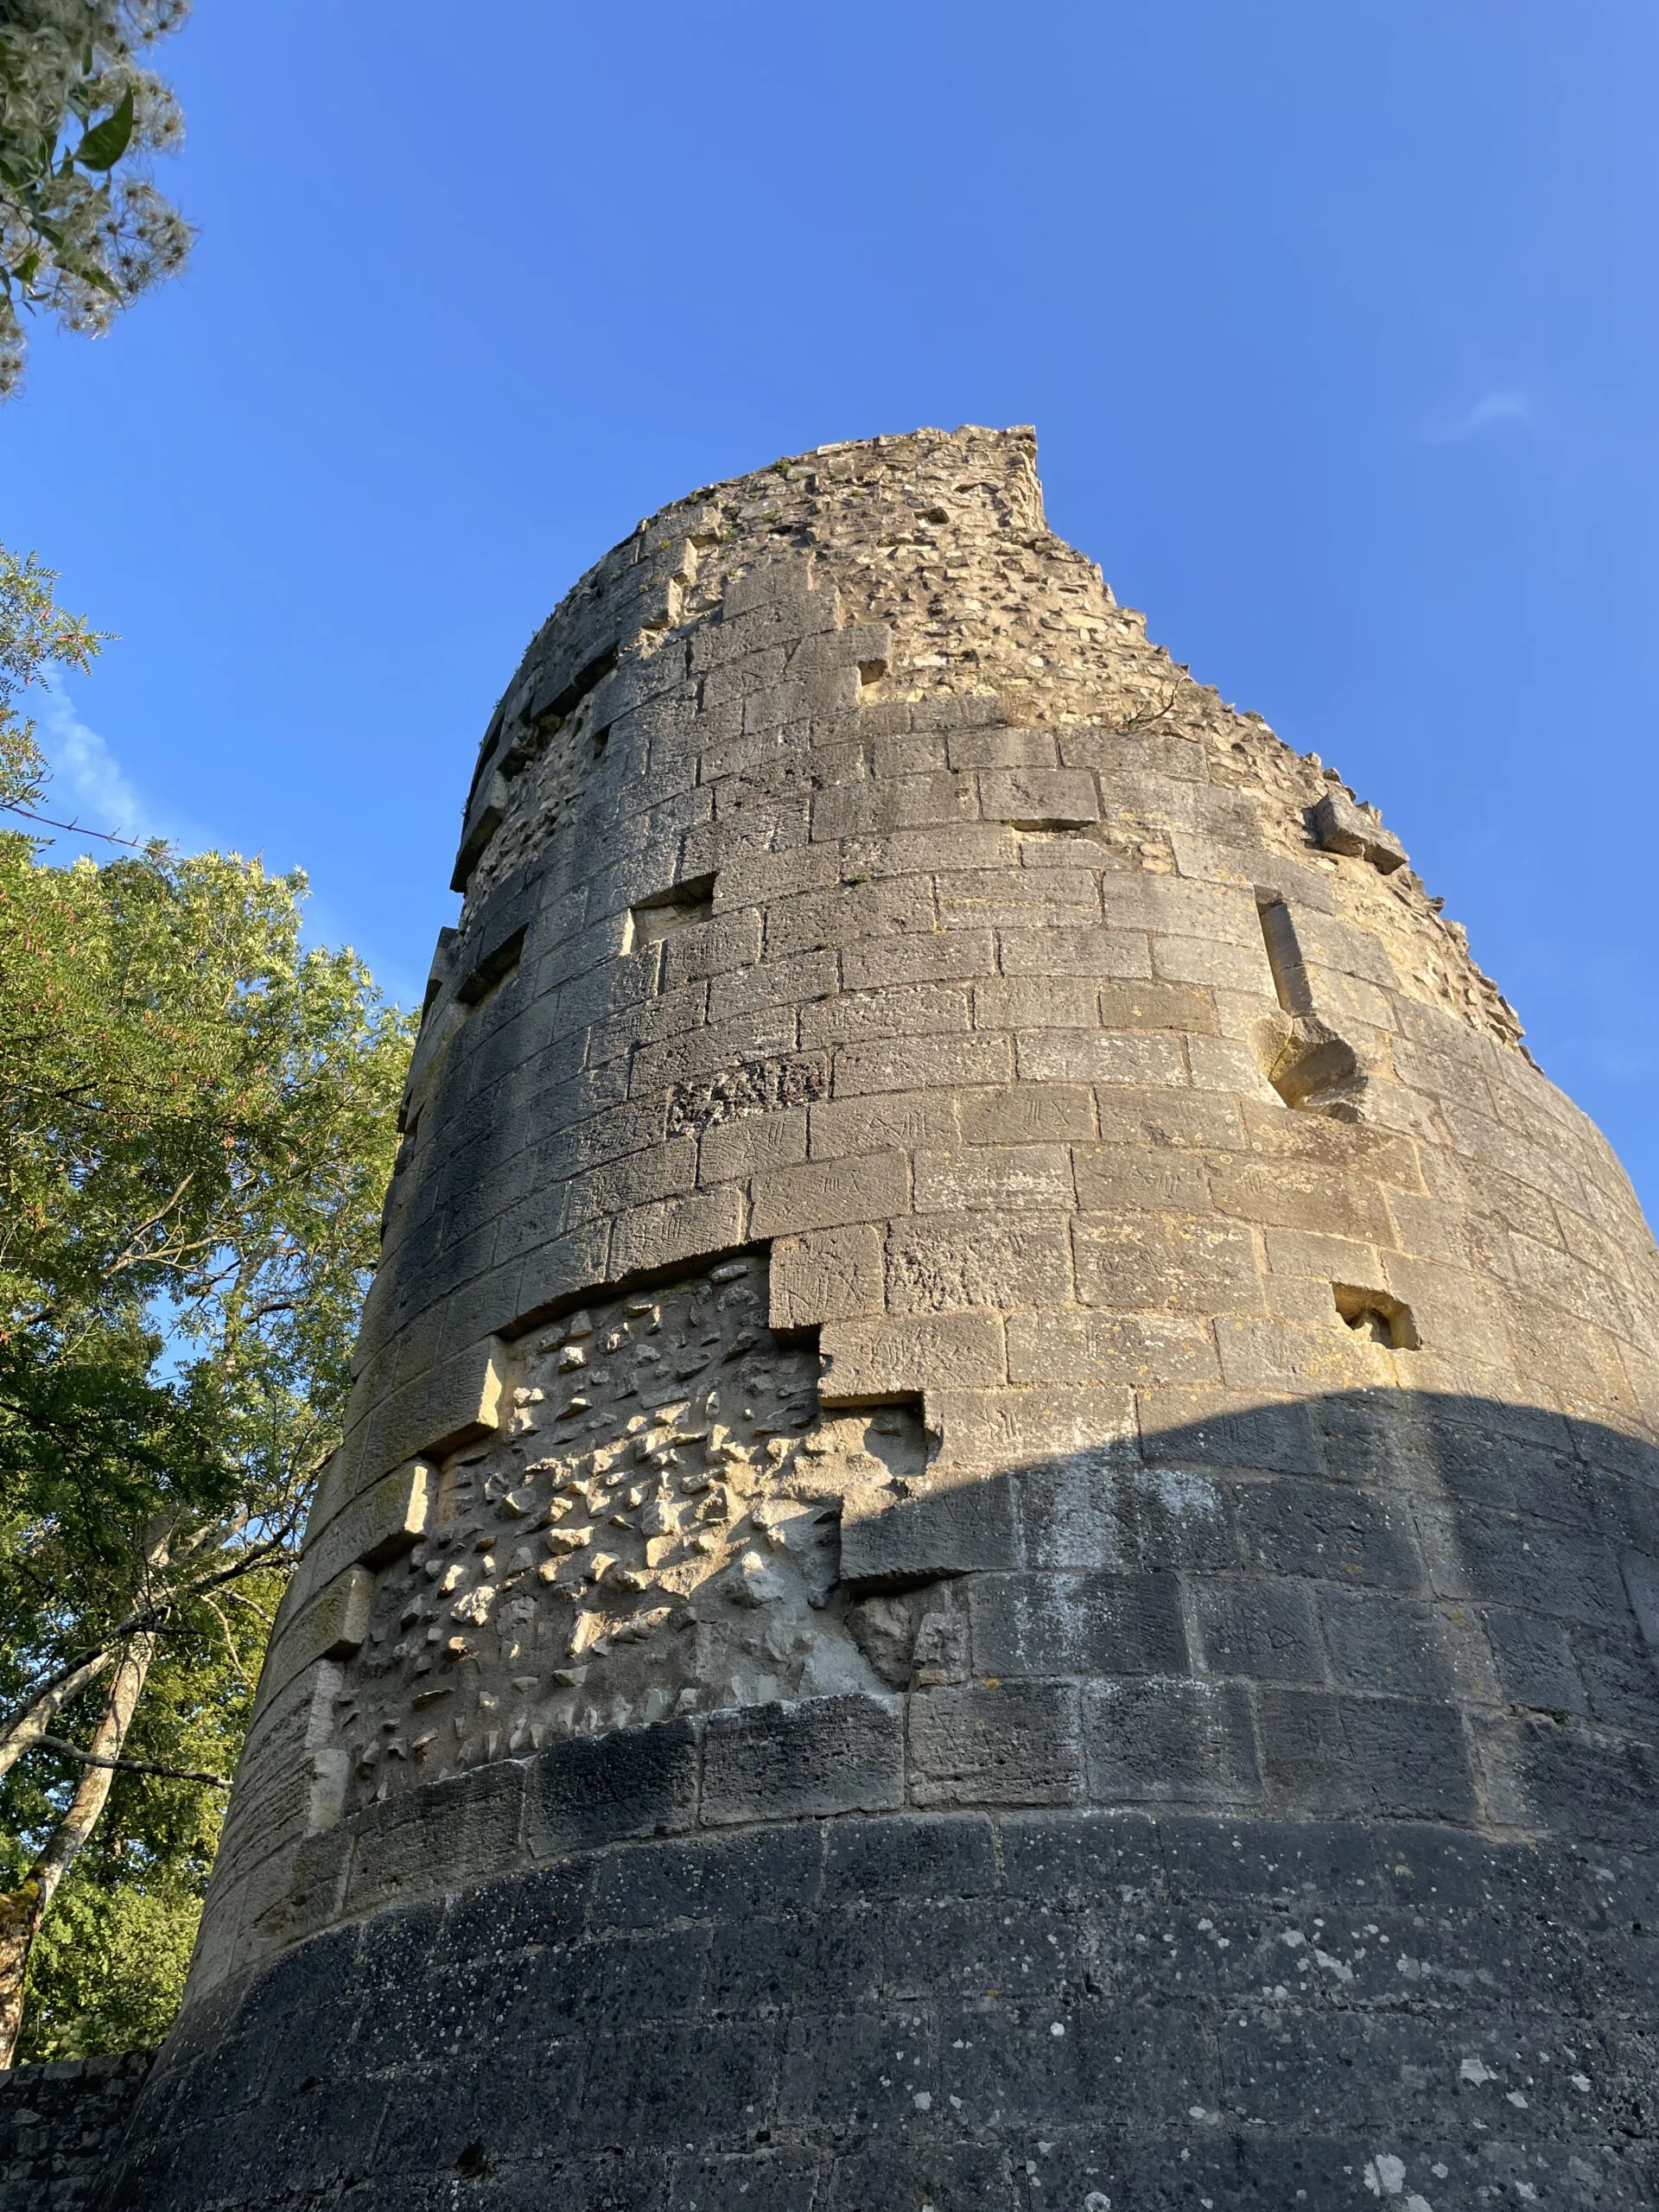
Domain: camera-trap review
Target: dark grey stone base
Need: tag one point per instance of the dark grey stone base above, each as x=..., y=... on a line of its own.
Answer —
x=60, y=2126
x=876, y=2014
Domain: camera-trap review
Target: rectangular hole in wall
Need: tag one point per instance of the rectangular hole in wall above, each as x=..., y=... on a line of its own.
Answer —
x=1378, y=1317
x=534, y=733
x=896, y=1437
x=659, y=917
x=584, y=681
x=486, y=751
x=881, y=1439
x=406, y=1136
x=492, y=971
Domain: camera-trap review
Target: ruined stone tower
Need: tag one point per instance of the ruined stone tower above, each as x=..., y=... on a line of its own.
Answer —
x=999, y=1541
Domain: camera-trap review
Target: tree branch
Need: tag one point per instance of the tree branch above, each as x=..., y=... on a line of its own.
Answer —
x=131, y=1766
x=241, y=1598
x=229, y=1640
x=62, y=1682
x=108, y=836
x=25, y=1725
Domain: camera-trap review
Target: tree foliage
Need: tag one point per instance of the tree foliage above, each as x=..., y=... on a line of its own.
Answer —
x=196, y=1128
x=35, y=634
x=83, y=228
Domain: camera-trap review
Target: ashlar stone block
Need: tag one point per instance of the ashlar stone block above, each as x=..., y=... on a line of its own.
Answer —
x=1341, y=825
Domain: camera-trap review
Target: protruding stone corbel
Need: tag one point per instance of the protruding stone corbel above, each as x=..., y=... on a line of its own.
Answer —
x=1342, y=825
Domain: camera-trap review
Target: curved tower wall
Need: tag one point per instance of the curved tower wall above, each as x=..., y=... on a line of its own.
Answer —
x=998, y=1532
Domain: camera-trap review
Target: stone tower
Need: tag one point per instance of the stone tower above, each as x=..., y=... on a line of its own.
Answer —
x=998, y=1541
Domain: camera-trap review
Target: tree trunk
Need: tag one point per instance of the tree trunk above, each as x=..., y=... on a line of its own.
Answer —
x=163, y=1587
x=21, y=1733
x=36, y=1719
x=22, y=1912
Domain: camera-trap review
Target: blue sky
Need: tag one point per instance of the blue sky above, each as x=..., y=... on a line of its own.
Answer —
x=1338, y=326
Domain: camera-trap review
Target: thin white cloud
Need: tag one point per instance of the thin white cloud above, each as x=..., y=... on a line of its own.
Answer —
x=1489, y=411
x=90, y=787
x=88, y=783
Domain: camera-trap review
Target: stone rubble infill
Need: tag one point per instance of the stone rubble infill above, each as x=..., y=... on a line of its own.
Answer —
x=939, y=540
x=656, y=1531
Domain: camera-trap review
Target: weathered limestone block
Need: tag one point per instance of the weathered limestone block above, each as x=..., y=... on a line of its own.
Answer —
x=340, y=1619
x=374, y=1528
x=1343, y=826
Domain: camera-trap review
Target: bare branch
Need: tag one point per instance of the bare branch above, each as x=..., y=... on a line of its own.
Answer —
x=241, y=1598
x=131, y=1766
x=1146, y=715
x=226, y=1638
x=108, y=836
x=26, y=1725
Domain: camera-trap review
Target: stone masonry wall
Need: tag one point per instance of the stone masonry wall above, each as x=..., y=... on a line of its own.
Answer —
x=901, y=1029
x=1312, y=1754
x=61, y=2125
x=968, y=1241
x=1023, y=2011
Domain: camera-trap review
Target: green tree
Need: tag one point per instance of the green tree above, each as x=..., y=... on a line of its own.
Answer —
x=83, y=229
x=196, y=1128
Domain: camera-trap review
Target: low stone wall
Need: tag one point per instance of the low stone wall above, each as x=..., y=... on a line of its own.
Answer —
x=60, y=2127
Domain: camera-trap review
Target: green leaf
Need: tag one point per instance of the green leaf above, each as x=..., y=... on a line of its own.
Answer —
x=106, y=143
x=87, y=272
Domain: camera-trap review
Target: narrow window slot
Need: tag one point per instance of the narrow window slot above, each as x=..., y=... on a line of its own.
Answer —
x=1290, y=981
x=486, y=750
x=564, y=703
x=1312, y=1068
x=406, y=1137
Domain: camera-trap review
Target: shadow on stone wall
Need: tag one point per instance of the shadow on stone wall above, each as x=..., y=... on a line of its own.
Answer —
x=1265, y=1815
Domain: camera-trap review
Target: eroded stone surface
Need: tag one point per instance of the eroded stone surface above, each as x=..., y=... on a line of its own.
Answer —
x=932, y=552
x=656, y=1531
x=61, y=2125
